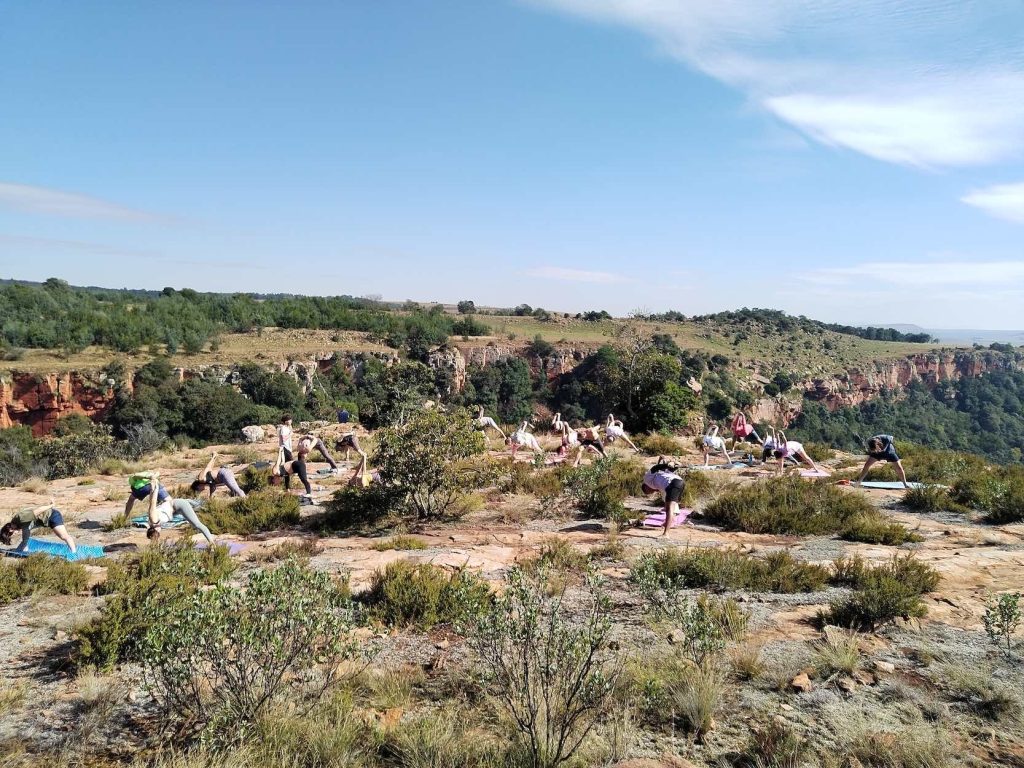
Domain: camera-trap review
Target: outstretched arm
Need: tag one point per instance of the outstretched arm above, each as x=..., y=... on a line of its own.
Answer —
x=208, y=468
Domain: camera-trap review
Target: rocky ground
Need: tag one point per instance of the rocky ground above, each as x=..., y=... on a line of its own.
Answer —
x=904, y=666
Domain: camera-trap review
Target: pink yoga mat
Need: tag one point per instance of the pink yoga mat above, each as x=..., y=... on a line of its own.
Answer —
x=812, y=473
x=658, y=520
x=233, y=548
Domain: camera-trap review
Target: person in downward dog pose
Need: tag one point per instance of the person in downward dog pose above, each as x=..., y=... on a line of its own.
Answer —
x=589, y=439
x=46, y=516
x=791, y=449
x=309, y=443
x=663, y=477
x=482, y=423
x=523, y=438
x=349, y=443
x=284, y=469
x=162, y=508
x=742, y=429
x=712, y=442
x=570, y=438
x=883, y=448
x=615, y=429
x=211, y=477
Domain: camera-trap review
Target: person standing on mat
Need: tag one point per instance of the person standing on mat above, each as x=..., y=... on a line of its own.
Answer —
x=742, y=429
x=283, y=470
x=284, y=436
x=712, y=442
x=482, y=423
x=162, y=508
x=883, y=448
x=211, y=477
x=309, y=443
x=791, y=449
x=615, y=429
x=46, y=516
x=662, y=477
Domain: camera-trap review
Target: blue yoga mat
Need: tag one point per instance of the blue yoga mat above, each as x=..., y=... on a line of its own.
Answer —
x=57, y=549
x=889, y=485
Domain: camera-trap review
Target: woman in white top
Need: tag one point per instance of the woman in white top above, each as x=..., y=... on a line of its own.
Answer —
x=284, y=436
x=482, y=423
x=615, y=429
x=556, y=422
x=522, y=438
x=791, y=449
x=713, y=443
x=662, y=477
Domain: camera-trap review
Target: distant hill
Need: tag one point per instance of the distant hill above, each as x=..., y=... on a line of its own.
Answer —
x=964, y=335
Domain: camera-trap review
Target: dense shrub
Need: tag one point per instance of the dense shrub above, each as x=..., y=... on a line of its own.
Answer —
x=875, y=529
x=255, y=479
x=790, y=505
x=658, y=444
x=599, y=488
x=255, y=513
x=355, y=507
x=730, y=569
x=404, y=595
x=930, y=498
x=881, y=593
x=40, y=575
x=77, y=454
x=137, y=590
x=998, y=491
x=220, y=658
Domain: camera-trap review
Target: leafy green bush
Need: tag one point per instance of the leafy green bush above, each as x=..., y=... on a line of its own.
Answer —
x=791, y=505
x=875, y=529
x=819, y=451
x=658, y=444
x=220, y=658
x=598, y=489
x=426, y=459
x=254, y=479
x=137, y=590
x=731, y=569
x=254, y=513
x=931, y=498
x=882, y=593
x=404, y=595
x=352, y=507
x=41, y=575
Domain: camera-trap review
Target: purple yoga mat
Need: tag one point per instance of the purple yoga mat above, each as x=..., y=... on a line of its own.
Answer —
x=658, y=520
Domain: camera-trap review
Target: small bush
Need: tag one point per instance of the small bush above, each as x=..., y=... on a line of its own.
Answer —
x=407, y=595
x=41, y=575
x=33, y=485
x=254, y=479
x=875, y=529
x=558, y=554
x=773, y=744
x=732, y=569
x=881, y=594
x=746, y=661
x=837, y=651
x=117, y=522
x=597, y=490
x=255, y=513
x=1002, y=618
x=658, y=444
x=931, y=498
x=520, y=477
x=819, y=451
x=302, y=550
x=220, y=658
x=246, y=454
x=352, y=507
x=612, y=549
x=403, y=543
x=915, y=746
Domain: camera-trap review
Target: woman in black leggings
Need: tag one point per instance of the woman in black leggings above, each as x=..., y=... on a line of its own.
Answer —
x=283, y=470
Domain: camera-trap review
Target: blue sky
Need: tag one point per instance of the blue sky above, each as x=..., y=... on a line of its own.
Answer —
x=852, y=160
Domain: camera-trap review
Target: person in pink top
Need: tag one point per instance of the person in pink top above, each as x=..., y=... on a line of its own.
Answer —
x=662, y=477
x=743, y=429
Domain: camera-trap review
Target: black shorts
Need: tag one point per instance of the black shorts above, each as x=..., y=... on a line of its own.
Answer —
x=675, y=489
x=889, y=454
x=346, y=441
x=593, y=444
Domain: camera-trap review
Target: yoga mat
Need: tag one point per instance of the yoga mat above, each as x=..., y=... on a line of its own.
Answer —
x=657, y=520
x=57, y=549
x=812, y=473
x=889, y=485
x=734, y=465
x=143, y=522
x=326, y=471
x=233, y=547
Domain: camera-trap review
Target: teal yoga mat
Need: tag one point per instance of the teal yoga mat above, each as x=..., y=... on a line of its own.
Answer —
x=57, y=549
x=888, y=485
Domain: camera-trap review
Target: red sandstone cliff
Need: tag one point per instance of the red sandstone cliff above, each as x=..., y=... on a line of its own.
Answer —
x=38, y=401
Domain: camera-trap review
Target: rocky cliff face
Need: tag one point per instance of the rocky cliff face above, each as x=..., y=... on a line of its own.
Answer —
x=38, y=401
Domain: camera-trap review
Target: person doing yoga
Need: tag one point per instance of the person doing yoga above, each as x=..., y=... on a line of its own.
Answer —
x=46, y=516
x=791, y=449
x=309, y=443
x=523, y=438
x=615, y=430
x=283, y=470
x=349, y=443
x=284, y=436
x=482, y=423
x=743, y=430
x=162, y=508
x=362, y=478
x=712, y=442
x=883, y=448
x=211, y=477
x=662, y=477
x=589, y=439
x=556, y=422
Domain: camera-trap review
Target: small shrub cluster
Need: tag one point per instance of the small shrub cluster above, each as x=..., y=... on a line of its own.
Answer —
x=658, y=444
x=790, y=505
x=597, y=490
x=730, y=569
x=40, y=575
x=882, y=593
x=254, y=479
x=402, y=543
x=302, y=550
x=352, y=507
x=137, y=590
x=931, y=498
x=407, y=595
x=255, y=513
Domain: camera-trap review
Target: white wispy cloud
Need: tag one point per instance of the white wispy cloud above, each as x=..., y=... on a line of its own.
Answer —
x=21, y=243
x=1004, y=201
x=24, y=197
x=926, y=83
x=577, y=275
x=924, y=274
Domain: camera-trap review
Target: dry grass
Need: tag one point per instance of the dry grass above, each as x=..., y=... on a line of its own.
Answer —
x=36, y=485
x=746, y=661
x=303, y=549
x=402, y=543
x=12, y=696
x=837, y=651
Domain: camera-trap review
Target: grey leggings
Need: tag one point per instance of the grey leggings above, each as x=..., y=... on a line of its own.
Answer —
x=319, y=446
x=184, y=508
x=227, y=477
